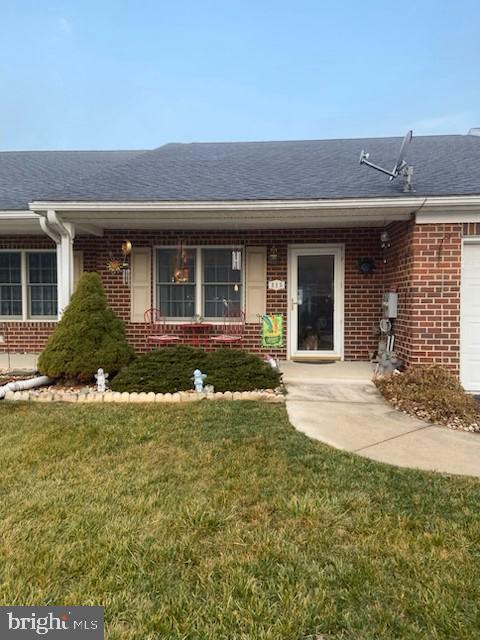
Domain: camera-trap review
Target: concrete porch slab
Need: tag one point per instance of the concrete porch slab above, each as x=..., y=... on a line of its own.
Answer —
x=317, y=371
x=339, y=405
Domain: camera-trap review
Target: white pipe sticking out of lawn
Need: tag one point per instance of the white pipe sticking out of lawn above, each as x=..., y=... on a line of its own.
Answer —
x=22, y=385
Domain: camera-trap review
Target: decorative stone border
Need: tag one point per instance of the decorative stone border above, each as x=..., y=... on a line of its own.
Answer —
x=134, y=397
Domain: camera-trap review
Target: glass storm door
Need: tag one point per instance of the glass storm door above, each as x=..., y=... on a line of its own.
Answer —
x=316, y=302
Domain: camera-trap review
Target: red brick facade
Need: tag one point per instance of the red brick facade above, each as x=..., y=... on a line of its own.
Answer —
x=423, y=264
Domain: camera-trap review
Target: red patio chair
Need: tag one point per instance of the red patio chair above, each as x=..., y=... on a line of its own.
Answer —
x=233, y=327
x=157, y=329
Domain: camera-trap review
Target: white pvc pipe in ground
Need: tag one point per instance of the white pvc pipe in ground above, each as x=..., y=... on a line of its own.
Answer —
x=22, y=385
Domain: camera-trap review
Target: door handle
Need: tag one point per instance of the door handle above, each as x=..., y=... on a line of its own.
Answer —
x=293, y=304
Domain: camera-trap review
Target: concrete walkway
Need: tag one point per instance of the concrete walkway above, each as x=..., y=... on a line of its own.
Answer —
x=338, y=404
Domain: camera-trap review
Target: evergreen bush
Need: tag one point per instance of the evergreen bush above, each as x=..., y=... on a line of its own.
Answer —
x=170, y=369
x=88, y=336
x=165, y=370
x=236, y=370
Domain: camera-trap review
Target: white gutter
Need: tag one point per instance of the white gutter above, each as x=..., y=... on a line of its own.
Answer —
x=438, y=202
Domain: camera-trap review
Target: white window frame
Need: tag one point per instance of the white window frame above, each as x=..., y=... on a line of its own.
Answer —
x=198, y=277
x=24, y=284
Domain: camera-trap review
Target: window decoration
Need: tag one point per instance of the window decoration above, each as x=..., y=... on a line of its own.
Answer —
x=236, y=260
x=180, y=274
x=366, y=266
x=126, y=251
x=115, y=265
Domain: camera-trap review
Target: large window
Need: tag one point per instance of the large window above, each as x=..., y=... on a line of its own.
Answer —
x=28, y=284
x=42, y=284
x=10, y=284
x=198, y=282
x=176, y=282
x=221, y=283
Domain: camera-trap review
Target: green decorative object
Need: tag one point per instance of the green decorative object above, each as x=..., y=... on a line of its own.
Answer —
x=272, y=330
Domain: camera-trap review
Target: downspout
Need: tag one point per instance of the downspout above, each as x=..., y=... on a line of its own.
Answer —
x=63, y=234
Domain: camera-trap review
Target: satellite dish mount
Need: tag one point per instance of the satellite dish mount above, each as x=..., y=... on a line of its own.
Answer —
x=401, y=167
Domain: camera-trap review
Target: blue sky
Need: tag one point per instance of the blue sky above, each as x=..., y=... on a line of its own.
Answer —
x=121, y=74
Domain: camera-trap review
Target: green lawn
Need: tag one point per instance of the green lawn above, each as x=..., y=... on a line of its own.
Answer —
x=217, y=521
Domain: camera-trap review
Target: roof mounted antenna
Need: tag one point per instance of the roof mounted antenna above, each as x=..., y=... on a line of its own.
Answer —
x=401, y=168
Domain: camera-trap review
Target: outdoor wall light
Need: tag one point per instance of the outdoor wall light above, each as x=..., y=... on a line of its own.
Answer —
x=273, y=255
x=385, y=240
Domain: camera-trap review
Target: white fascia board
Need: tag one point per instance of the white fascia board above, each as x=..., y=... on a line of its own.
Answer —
x=448, y=217
x=18, y=215
x=230, y=205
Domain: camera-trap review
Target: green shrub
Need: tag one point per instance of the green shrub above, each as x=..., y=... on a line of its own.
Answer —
x=432, y=393
x=165, y=370
x=234, y=370
x=88, y=336
x=171, y=369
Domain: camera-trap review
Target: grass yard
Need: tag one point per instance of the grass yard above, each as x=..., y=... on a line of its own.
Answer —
x=217, y=521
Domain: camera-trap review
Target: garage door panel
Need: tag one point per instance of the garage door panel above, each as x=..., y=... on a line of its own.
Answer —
x=470, y=318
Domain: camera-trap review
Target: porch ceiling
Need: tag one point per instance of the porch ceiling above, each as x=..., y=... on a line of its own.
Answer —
x=233, y=215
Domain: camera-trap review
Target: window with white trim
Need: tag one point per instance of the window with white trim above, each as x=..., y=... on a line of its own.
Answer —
x=10, y=284
x=196, y=281
x=28, y=285
x=222, y=285
x=176, y=282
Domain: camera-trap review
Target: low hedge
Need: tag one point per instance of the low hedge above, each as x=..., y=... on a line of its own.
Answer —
x=170, y=369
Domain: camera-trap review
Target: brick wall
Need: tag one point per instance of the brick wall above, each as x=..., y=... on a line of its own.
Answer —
x=424, y=264
x=362, y=293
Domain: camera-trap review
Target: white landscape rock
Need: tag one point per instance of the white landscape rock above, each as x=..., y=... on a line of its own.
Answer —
x=57, y=394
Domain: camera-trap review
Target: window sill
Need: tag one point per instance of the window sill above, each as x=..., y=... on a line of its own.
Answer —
x=25, y=320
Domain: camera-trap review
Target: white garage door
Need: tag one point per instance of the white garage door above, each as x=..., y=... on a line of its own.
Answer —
x=470, y=318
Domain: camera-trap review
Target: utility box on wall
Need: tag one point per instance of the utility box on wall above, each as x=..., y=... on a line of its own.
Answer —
x=390, y=303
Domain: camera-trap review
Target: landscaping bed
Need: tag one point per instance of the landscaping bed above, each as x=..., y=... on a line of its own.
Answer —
x=170, y=370
x=219, y=520
x=434, y=394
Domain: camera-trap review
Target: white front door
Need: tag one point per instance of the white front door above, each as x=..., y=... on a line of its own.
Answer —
x=470, y=317
x=315, y=294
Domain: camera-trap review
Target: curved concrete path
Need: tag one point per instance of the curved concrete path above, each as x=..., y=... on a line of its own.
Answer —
x=337, y=403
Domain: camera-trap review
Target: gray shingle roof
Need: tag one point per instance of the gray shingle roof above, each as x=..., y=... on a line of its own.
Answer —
x=444, y=165
x=26, y=175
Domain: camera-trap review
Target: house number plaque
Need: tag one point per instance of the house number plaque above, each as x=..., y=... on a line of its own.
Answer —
x=276, y=285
